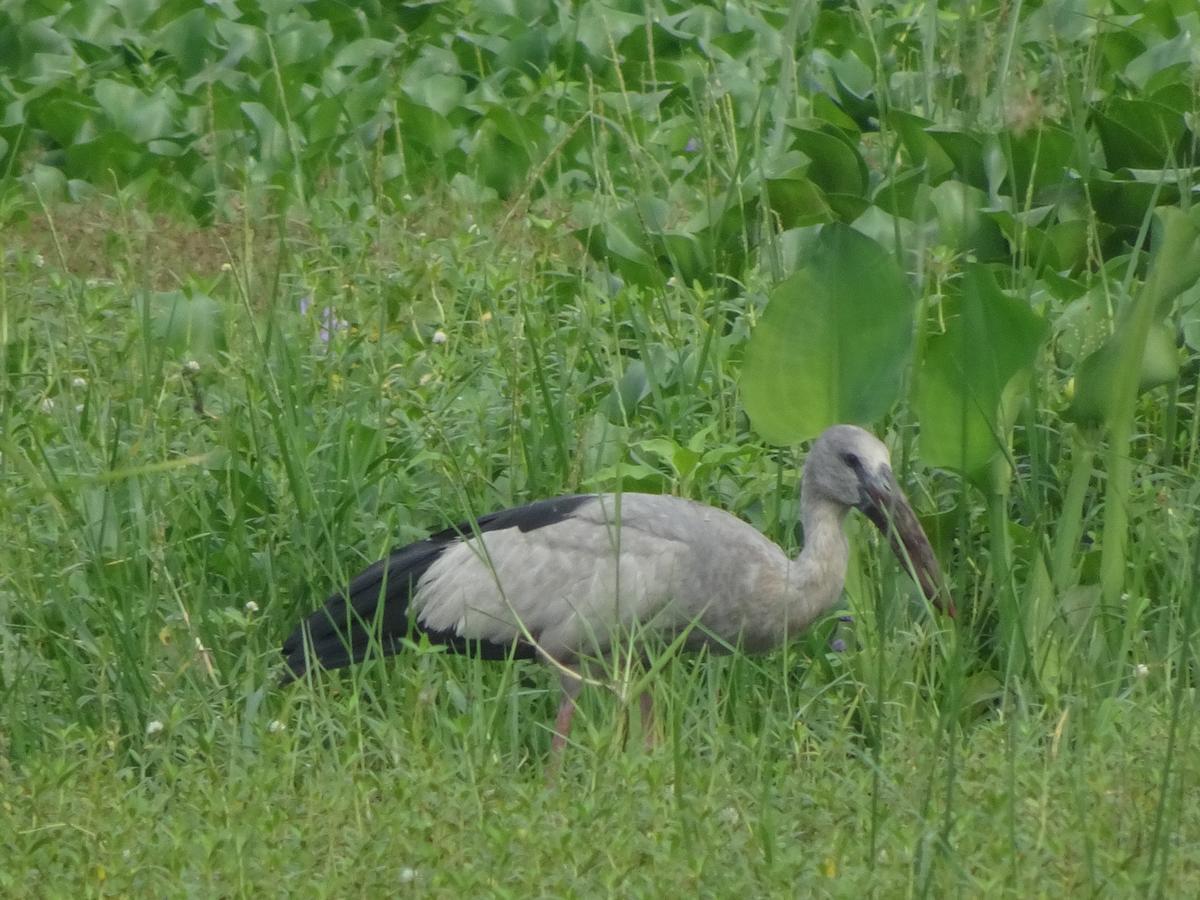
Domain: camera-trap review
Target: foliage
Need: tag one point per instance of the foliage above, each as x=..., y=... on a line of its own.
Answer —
x=288, y=283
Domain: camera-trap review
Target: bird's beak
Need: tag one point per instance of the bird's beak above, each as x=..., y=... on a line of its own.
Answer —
x=884, y=503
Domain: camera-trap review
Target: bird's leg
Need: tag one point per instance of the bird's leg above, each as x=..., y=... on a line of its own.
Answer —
x=572, y=684
x=562, y=724
x=646, y=701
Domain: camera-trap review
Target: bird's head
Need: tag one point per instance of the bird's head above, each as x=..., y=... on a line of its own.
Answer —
x=852, y=468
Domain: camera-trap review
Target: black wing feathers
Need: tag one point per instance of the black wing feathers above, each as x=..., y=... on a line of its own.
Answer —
x=376, y=602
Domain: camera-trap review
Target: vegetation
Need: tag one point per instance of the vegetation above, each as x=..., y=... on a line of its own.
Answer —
x=285, y=285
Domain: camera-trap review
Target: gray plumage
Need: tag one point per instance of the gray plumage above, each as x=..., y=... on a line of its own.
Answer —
x=561, y=578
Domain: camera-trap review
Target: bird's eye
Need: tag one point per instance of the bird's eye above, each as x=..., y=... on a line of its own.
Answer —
x=852, y=460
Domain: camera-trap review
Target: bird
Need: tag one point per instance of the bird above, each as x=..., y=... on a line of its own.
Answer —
x=562, y=579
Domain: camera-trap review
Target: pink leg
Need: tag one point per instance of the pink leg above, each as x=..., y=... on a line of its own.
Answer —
x=649, y=739
x=562, y=724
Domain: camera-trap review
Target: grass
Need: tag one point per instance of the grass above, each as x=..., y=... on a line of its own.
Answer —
x=145, y=752
x=370, y=365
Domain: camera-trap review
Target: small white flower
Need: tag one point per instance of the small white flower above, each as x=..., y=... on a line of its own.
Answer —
x=1141, y=670
x=191, y=367
x=728, y=816
x=153, y=727
x=251, y=607
x=79, y=383
x=425, y=379
x=226, y=267
x=39, y=261
x=47, y=405
x=78, y=409
x=439, y=337
x=405, y=875
x=275, y=726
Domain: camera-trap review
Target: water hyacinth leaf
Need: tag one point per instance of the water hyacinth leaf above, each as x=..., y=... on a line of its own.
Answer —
x=961, y=224
x=797, y=202
x=835, y=165
x=185, y=325
x=1189, y=319
x=1174, y=269
x=1039, y=158
x=1124, y=201
x=1139, y=134
x=1162, y=56
x=921, y=146
x=138, y=116
x=833, y=341
x=826, y=109
x=272, y=139
x=1097, y=380
x=898, y=194
x=965, y=152
x=628, y=393
x=990, y=338
x=1175, y=265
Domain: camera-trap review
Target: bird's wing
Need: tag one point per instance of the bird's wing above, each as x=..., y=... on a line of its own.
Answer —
x=564, y=587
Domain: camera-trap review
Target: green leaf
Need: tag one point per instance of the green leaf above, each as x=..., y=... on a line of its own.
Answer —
x=1174, y=268
x=835, y=165
x=1139, y=134
x=1097, y=379
x=833, y=341
x=961, y=224
x=186, y=325
x=989, y=338
x=796, y=201
x=1175, y=265
x=138, y=116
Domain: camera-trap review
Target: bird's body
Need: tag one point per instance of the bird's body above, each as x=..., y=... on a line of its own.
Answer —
x=561, y=579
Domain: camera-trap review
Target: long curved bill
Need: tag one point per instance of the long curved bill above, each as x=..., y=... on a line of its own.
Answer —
x=889, y=509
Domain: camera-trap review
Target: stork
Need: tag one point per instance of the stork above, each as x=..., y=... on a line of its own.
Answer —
x=561, y=579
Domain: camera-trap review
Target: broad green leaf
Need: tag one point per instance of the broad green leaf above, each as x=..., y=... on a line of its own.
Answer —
x=989, y=338
x=1139, y=134
x=1175, y=265
x=1167, y=54
x=1174, y=269
x=921, y=145
x=796, y=201
x=138, y=116
x=1040, y=157
x=1098, y=376
x=1125, y=201
x=628, y=393
x=272, y=139
x=965, y=152
x=441, y=93
x=961, y=224
x=835, y=166
x=832, y=343
x=186, y=325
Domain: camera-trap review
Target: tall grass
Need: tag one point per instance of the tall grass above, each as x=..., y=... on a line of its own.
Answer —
x=166, y=524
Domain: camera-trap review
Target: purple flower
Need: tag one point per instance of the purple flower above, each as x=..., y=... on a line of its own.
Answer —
x=845, y=618
x=329, y=322
x=837, y=645
x=692, y=146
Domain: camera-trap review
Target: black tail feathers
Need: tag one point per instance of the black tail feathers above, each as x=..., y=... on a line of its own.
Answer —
x=372, y=613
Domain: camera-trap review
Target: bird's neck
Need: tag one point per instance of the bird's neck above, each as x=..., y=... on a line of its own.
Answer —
x=817, y=575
